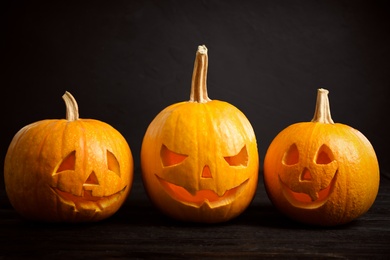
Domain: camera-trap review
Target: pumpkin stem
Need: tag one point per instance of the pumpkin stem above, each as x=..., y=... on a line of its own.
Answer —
x=72, y=110
x=199, y=77
x=322, y=112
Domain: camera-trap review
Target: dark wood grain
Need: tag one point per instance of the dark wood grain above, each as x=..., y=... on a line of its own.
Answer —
x=138, y=230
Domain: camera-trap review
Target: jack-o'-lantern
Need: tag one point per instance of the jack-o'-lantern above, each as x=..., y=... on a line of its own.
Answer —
x=321, y=172
x=68, y=170
x=199, y=158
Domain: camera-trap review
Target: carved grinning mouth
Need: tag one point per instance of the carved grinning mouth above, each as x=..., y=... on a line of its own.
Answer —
x=209, y=197
x=87, y=201
x=303, y=200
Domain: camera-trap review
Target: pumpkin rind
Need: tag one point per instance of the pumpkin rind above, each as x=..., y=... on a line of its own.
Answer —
x=204, y=184
x=91, y=186
x=349, y=177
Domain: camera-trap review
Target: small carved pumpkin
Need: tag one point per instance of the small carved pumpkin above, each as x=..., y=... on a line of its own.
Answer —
x=199, y=158
x=73, y=170
x=321, y=172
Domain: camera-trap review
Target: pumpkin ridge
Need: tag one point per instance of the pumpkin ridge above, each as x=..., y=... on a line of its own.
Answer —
x=51, y=124
x=80, y=124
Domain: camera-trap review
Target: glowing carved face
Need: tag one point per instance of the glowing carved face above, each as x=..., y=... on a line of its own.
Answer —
x=84, y=192
x=208, y=196
x=308, y=181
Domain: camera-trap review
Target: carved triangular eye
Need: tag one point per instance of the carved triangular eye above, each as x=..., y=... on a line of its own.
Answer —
x=112, y=163
x=291, y=157
x=324, y=155
x=169, y=158
x=240, y=159
x=68, y=163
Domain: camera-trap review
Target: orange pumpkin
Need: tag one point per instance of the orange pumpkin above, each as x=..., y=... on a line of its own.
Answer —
x=72, y=170
x=199, y=158
x=321, y=172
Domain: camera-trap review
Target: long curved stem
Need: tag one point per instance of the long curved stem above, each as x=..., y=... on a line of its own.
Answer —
x=199, y=77
x=72, y=109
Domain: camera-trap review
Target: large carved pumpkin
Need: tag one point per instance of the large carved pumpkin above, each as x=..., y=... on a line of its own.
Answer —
x=321, y=172
x=199, y=158
x=72, y=170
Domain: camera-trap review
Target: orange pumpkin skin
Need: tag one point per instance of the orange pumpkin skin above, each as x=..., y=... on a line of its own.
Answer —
x=68, y=171
x=321, y=173
x=200, y=162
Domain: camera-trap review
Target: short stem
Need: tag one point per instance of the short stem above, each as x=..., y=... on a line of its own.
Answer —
x=199, y=77
x=72, y=110
x=322, y=112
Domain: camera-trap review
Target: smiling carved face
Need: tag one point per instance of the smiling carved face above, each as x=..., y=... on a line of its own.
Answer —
x=200, y=161
x=94, y=177
x=308, y=181
x=89, y=193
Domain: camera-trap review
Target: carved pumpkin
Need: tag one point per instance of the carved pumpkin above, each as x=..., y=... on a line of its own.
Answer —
x=72, y=170
x=321, y=172
x=199, y=158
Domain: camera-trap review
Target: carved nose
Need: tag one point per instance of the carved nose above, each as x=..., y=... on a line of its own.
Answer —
x=91, y=180
x=206, y=173
x=306, y=175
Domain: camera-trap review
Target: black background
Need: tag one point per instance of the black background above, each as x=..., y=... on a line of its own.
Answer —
x=124, y=61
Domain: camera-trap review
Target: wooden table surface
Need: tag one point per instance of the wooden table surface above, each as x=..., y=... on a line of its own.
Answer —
x=139, y=231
